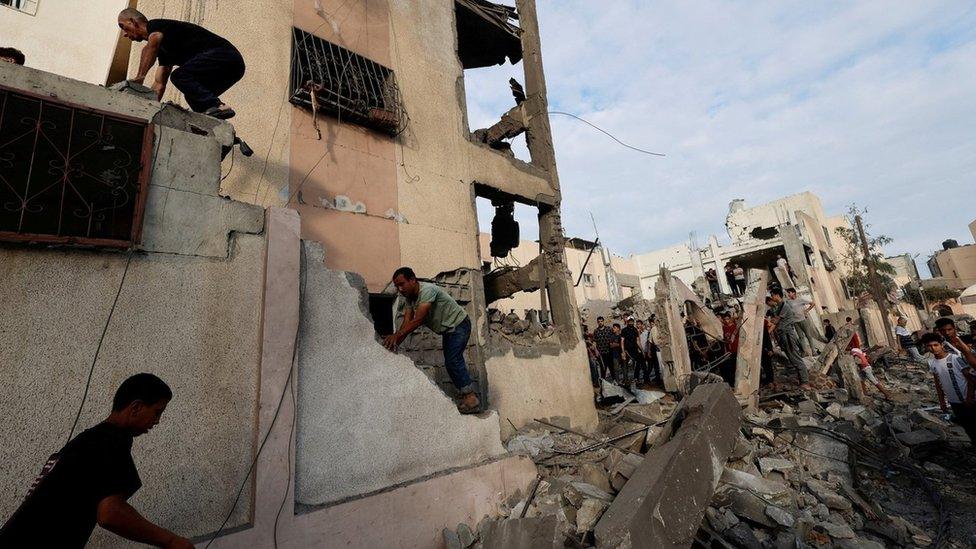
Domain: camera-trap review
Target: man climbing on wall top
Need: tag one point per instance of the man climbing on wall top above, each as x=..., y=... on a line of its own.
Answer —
x=208, y=64
x=90, y=480
x=12, y=55
x=423, y=303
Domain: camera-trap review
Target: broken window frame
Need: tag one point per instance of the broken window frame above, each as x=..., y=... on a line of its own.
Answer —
x=136, y=191
x=28, y=7
x=329, y=78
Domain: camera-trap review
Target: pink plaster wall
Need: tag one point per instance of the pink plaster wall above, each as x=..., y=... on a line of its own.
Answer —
x=348, y=160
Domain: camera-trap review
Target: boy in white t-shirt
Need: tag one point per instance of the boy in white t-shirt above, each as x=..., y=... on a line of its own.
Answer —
x=955, y=381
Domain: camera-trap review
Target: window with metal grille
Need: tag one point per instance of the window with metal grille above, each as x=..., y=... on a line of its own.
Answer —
x=346, y=85
x=70, y=174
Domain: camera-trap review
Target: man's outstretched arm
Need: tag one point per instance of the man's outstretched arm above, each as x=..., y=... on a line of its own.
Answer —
x=117, y=516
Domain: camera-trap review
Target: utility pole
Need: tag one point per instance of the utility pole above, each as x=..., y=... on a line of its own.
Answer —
x=876, y=290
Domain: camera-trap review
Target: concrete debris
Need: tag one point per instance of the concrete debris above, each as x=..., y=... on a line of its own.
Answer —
x=665, y=500
x=530, y=445
x=589, y=513
x=451, y=539
x=523, y=533
x=804, y=468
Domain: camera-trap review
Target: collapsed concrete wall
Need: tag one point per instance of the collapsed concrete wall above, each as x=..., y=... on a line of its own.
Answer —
x=367, y=418
x=548, y=386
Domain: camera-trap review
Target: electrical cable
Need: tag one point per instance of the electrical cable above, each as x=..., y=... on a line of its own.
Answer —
x=291, y=387
x=274, y=418
x=98, y=349
x=233, y=153
x=608, y=134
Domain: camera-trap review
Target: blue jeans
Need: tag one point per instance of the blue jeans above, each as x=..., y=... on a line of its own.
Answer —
x=455, y=340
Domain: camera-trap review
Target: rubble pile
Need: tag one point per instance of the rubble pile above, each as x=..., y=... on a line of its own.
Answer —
x=517, y=329
x=817, y=469
x=812, y=468
x=579, y=476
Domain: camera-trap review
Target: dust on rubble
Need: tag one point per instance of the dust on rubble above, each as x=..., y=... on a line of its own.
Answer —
x=811, y=468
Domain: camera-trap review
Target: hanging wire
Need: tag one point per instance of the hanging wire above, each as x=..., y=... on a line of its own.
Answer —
x=610, y=135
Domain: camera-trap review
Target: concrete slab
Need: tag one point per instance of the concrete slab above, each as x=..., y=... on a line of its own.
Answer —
x=748, y=364
x=663, y=503
x=676, y=362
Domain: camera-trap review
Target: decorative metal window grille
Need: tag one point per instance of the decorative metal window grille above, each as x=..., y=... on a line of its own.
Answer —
x=26, y=6
x=350, y=87
x=70, y=174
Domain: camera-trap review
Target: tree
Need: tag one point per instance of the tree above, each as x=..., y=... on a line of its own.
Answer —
x=933, y=295
x=852, y=256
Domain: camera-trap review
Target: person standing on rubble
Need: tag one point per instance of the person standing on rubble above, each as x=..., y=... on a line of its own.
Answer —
x=426, y=304
x=730, y=337
x=631, y=338
x=946, y=327
x=905, y=340
x=784, y=320
x=740, y=279
x=603, y=337
x=208, y=64
x=829, y=331
x=91, y=479
x=805, y=330
x=955, y=382
x=730, y=278
x=867, y=372
x=616, y=351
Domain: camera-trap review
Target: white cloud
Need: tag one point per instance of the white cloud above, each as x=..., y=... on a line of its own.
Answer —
x=868, y=102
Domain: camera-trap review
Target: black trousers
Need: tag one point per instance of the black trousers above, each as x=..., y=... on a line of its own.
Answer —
x=207, y=75
x=965, y=417
x=640, y=365
x=653, y=365
x=608, y=364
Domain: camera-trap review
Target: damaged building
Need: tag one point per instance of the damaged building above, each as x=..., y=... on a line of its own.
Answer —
x=137, y=236
x=228, y=266
x=601, y=279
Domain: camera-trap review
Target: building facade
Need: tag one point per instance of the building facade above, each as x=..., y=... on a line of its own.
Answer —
x=794, y=228
x=259, y=285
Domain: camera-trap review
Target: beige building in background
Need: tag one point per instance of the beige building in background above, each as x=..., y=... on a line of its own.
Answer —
x=905, y=270
x=794, y=227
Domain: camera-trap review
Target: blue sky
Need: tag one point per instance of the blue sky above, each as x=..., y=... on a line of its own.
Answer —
x=872, y=103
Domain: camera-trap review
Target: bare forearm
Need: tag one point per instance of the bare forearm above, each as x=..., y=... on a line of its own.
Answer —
x=146, y=61
x=121, y=518
x=407, y=327
x=162, y=75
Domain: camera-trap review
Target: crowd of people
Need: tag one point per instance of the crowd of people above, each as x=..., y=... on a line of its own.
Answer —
x=629, y=354
x=625, y=355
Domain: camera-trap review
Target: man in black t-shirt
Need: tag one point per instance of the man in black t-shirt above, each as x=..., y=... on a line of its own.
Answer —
x=631, y=347
x=208, y=64
x=89, y=480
